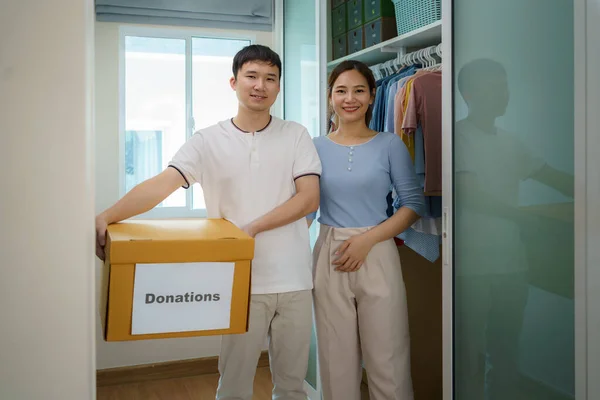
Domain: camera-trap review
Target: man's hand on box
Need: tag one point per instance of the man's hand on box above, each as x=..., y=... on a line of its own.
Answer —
x=101, y=226
x=250, y=229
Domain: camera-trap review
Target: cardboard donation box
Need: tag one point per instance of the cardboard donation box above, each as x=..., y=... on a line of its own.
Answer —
x=175, y=278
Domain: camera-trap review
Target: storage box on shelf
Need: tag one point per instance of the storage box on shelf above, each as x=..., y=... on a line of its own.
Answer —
x=338, y=21
x=379, y=30
x=380, y=25
x=363, y=23
x=375, y=9
x=355, y=13
x=339, y=28
x=340, y=48
x=356, y=40
x=415, y=14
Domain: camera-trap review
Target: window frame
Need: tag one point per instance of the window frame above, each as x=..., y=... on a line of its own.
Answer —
x=186, y=34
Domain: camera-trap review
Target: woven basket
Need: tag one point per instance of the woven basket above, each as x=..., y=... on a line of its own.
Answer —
x=415, y=14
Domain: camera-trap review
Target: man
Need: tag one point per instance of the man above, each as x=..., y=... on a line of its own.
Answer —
x=262, y=174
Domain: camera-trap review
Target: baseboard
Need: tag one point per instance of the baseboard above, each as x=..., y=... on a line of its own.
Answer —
x=165, y=370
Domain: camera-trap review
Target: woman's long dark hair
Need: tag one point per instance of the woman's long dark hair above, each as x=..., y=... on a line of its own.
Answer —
x=348, y=66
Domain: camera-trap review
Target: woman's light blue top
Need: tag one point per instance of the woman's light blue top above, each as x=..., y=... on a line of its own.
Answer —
x=356, y=180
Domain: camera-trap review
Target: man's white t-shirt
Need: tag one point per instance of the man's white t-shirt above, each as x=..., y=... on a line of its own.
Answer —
x=246, y=175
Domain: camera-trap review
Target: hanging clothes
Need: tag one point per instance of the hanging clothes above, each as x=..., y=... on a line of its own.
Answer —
x=380, y=106
x=419, y=104
x=408, y=103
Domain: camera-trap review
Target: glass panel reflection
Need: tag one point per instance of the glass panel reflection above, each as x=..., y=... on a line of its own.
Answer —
x=513, y=216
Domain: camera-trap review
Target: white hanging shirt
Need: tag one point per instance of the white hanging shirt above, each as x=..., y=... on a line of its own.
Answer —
x=246, y=175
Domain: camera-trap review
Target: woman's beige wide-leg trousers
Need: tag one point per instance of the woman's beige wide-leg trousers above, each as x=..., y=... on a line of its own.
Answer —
x=361, y=315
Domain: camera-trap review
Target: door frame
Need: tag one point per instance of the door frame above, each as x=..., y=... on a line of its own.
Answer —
x=581, y=197
x=587, y=212
x=447, y=201
x=322, y=36
x=587, y=194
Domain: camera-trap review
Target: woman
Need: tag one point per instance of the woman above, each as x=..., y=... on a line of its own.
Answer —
x=359, y=294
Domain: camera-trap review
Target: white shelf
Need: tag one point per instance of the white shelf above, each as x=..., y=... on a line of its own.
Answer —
x=426, y=36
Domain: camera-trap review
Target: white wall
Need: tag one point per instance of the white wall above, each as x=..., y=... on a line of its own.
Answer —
x=46, y=210
x=107, y=183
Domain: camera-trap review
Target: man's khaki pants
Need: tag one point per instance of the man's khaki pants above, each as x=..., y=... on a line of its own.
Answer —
x=361, y=313
x=286, y=320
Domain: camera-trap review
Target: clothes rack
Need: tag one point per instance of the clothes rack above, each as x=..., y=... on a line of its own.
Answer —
x=408, y=103
x=409, y=96
x=423, y=56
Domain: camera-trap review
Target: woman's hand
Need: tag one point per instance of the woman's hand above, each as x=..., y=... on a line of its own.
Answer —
x=352, y=253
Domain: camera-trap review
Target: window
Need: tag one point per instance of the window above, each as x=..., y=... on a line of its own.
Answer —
x=172, y=85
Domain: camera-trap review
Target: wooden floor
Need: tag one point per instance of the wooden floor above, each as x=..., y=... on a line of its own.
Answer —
x=202, y=387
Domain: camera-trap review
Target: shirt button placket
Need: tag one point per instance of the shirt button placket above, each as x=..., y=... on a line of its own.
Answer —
x=350, y=154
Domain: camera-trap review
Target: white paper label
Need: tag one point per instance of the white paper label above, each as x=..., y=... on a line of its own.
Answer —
x=182, y=297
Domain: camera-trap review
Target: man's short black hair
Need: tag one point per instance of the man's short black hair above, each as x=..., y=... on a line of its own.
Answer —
x=255, y=52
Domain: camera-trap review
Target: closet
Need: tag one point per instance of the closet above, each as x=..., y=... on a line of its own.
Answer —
x=400, y=40
x=533, y=340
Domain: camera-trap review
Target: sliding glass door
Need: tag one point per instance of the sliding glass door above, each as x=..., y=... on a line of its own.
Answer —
x=511, y=274
x=302, y=103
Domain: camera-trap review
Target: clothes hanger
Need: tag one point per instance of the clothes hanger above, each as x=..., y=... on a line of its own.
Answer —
x=413, y=58
x=407, y=59
x=438, y=64
x=432, y=52
x=421, y=55
x=429, y=56
x=401, y=61
x=394, y=66
x=390, y=67
x=418, y=57
x=384, y=68
x=429, y=60
x=373, y=69
x=376, y=71
x=438, y=51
